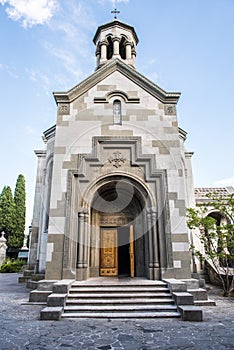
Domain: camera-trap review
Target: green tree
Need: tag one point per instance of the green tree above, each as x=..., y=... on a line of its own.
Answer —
x=7, y=212
x=217, y=238
x=20, y=210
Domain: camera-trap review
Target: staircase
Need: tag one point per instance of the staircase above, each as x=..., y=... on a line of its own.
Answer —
x=119, y=298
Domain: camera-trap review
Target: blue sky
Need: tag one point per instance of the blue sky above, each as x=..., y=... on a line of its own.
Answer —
x=185, y=45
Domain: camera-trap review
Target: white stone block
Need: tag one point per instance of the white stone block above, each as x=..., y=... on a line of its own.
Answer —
x=177, y=264
x=49, y=251
x=180, y=246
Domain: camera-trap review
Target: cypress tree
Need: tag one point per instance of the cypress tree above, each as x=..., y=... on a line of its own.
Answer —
x=20, y=210
x=7, y=212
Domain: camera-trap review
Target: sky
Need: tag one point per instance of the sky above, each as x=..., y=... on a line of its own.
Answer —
x=184, y=45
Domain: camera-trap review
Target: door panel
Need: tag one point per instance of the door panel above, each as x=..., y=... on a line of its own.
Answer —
x=109, y=252
x=131, y=251
x=123, y=251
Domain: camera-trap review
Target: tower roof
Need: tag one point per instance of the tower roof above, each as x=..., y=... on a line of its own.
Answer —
x=115, y=23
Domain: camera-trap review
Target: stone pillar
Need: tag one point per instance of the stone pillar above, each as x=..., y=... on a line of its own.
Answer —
x=34, y=230
x=86, y=239
x=44, y=218
x=154, y=269
x=150, y=246
x=104, y=44
x=116, y=47
x=80, y=250
x=98, y=56
x=134, y=57
x=3, y=248
x=155, y=246
x=128, y=50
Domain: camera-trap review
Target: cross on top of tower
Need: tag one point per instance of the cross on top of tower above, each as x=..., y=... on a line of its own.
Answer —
x=115, y=12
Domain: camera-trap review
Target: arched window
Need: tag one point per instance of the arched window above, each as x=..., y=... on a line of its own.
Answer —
x=109, y=48
x=122, y=48
x=117, y=112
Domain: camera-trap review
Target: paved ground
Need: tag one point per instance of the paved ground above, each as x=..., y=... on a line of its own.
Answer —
x=20, y=327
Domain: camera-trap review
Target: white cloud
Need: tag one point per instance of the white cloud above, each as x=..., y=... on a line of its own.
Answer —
x=225, y=182
x=30, y=12
x=74, y=49
x=113, y=3
x=11, y=70
x=68, y=58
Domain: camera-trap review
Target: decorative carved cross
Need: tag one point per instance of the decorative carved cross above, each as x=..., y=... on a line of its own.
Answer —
x=115, y=12
x=117, y=159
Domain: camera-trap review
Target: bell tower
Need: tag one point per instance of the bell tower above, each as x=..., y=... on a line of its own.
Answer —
x=115, y=40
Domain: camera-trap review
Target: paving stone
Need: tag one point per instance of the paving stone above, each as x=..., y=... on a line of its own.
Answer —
x=21, y=328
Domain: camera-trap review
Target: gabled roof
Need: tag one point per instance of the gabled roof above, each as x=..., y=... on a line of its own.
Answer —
x=127, y=71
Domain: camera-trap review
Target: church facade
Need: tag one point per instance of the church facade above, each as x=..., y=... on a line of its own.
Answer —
x=114, y=179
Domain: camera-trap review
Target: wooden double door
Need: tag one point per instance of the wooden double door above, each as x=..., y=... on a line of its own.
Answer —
x=117, y=251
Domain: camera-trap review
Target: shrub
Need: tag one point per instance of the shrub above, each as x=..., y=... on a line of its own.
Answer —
x=11, y=266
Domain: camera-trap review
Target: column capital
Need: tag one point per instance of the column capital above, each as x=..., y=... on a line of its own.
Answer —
x=81, y=215
x=116, y=38
x=127, y=43
x=104, y=42
x=152, y=210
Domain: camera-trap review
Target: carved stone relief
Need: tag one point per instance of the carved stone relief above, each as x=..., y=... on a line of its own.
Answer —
x=64, y=109
x=169, y=109
x=117, y=159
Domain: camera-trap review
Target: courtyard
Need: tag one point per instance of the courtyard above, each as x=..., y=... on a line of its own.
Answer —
x=22, y=329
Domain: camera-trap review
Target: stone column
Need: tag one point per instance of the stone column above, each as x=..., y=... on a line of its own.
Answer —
x=86, y=239
x=128, y=50
x=44, y=219
x=80, y=251
x=134, y=57
x=34, y=236
x=3, y=248
x=154, y=270
x=104, y=44
x=150, y=245
x=98, y=56
x=155, y=246
x=116, y=41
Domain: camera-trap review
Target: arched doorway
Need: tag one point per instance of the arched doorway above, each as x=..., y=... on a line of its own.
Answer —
x=119, y=236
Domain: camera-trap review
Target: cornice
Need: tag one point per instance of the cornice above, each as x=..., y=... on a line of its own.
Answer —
x=49, y=133
x=40, y=153
x=109, y=68
x=182, y=134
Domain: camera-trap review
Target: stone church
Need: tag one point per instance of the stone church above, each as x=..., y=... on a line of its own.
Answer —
x=114, y=178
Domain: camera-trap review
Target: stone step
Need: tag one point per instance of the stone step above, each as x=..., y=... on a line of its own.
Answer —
x=24, y=279
x=28, y=272
x=32, y=284
x=121, y=314
x=120, y=308
x=191, y=283
x=191, y=313
x=39, y=296
x=117, y=295
x=119, y=284
x=198, y=294
x=205, y=302
x=115, y=289
x=37, y=277
x=119, y=301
